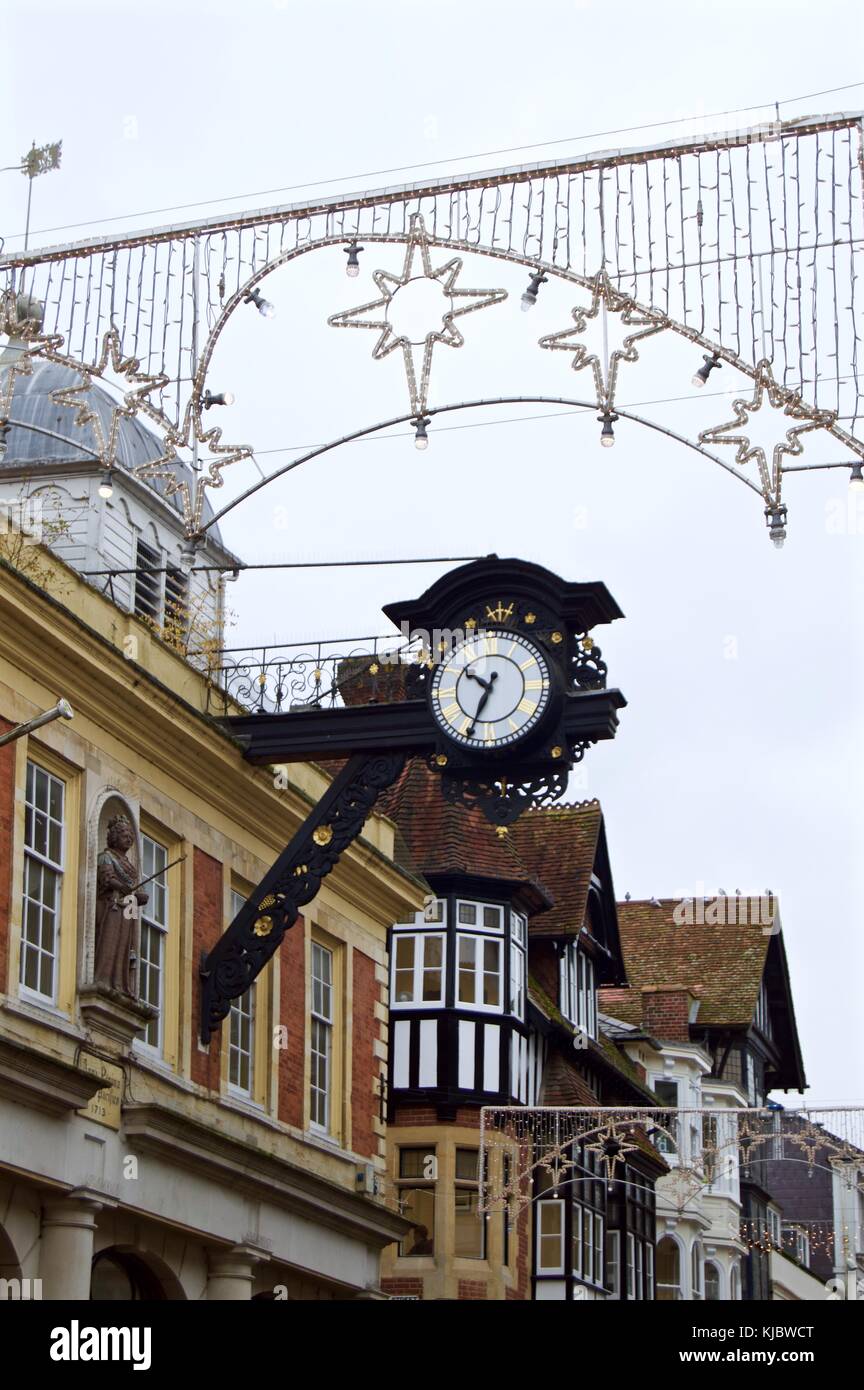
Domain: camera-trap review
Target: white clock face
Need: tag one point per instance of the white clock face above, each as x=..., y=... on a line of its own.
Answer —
x=492, y=690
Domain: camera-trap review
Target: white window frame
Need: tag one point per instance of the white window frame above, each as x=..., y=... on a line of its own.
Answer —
x=518, y=972
x=519, y=929
x=156, y=930
x=578, y=989
x=418, y=968
x=479, y=972
x=323, y=1015
x=631, y=1265
x=613, y=1263
x=43, y=863
x=480, y=908
x=542, y=1206
x=577, y=1244
x=242, y=1010
x=649, y=1270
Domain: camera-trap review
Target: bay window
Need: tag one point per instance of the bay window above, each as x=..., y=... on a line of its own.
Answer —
x=418, y=968
x=478, y=964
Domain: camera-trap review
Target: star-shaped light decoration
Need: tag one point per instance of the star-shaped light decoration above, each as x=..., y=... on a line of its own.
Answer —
x=190, y=434
x=376, y=314
x=141, y=384
x=768, y=395
x=605, y=300
x=612, y=1147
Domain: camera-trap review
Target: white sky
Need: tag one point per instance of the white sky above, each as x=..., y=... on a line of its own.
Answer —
x=739, y=758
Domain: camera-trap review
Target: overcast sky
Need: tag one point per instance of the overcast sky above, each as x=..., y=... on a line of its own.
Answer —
x=739, y=758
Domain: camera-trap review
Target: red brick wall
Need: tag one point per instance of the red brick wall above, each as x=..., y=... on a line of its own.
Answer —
x=365, y=1066
x=666, y=1012
x=7, y=822
x=471, y=1288
x=402, y=1286
x=207, y=926
x=292, y=1017
x=422, y=1115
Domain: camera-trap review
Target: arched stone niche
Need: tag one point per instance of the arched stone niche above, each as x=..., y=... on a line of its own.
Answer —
x=108, y=802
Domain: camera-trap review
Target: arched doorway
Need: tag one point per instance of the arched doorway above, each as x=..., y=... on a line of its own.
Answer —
x=10, y=1269
x=668, y=1279
x=121, y=1274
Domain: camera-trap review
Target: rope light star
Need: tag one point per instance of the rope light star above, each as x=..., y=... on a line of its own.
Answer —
x=417, y=355
x=612, y=1147
x=190, y=434
x=79, y=398
x=606, y=299
x=768, y=395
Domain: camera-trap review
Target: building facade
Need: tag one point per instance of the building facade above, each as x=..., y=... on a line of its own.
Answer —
x=134, y=1162
x=708, y=1011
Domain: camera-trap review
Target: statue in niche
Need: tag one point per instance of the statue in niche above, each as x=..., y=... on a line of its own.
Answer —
x=117, y=901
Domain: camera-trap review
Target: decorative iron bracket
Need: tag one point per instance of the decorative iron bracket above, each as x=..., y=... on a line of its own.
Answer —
x=272, y=908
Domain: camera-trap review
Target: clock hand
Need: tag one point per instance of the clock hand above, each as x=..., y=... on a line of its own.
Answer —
x=487, y=691
x=479, y=679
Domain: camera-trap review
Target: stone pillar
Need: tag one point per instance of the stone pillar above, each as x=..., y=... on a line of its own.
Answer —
x=66, y=1246
x=231, y=1273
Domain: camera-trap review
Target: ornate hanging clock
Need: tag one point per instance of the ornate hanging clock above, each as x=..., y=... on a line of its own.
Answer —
x=510, y=693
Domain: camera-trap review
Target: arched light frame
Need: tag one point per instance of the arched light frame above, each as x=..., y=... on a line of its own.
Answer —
x=549, y=214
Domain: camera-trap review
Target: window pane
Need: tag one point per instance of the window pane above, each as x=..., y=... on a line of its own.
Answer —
x=466, y=1164
x=433, y=956
x=467, y=959
x=551, y=1236
x=577, y=1239
x=492, y=918
x=416, y=1163
x=468, y=914
x=468, y=1239
x=418, y=1205
x=404, y=974
x=491, y=973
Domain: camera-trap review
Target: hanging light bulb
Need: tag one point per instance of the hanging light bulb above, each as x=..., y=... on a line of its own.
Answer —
x=421, y=438
x=264, y=307
x=106, y=487
x=856, y=478
x=775, y=517
x=352, y=269
x=712, y=361
x=607, y=434
x=529, y=298
x=217, y=398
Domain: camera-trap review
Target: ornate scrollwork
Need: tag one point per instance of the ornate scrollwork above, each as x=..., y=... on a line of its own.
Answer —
x=587, y=669
x=257, y=931
x=502, y=801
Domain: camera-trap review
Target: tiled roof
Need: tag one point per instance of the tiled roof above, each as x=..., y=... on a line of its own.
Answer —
x=721, y=964
x=442, y=838
x=601, y=1049
x=558, y=845
x=562, y=1084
